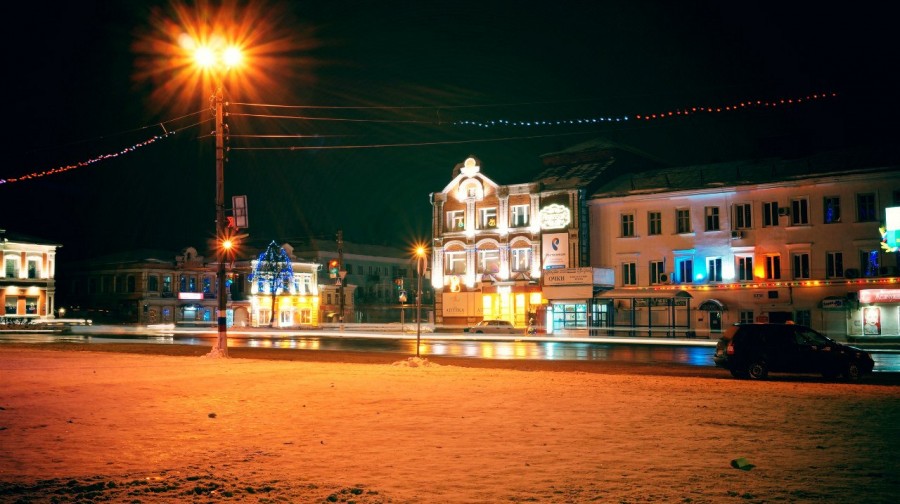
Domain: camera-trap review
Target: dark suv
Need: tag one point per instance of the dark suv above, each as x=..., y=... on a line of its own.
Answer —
x=752, y=350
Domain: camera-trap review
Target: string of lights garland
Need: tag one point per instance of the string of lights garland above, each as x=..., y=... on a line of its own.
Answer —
x=81, y=164
x=675, y=113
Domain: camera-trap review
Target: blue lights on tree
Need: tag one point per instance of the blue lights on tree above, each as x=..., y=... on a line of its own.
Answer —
x=273, y=274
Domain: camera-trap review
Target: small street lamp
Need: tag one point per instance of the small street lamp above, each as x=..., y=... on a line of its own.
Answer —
x=421, y=264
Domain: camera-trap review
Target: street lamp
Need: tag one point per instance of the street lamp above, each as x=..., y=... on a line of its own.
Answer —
x=216, y=61
x=421, y=266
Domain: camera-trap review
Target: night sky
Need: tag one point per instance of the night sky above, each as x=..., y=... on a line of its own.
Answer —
x=388, y=89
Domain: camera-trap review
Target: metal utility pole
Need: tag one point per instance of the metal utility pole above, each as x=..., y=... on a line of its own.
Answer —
x=341, y=274
x=222, y=294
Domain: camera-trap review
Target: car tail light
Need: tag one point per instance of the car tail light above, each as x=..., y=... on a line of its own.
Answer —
x=730, y=348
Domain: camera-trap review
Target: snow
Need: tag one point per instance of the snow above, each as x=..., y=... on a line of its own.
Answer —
x=127, y=427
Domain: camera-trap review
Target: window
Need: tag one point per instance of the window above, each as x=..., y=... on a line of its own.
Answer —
x=770, y=214
x=629, y=274
x=130, y=283
x=683, y=220
x=746, y=317
x=742, y=216
x=712, y=218
x=714, y=269
x=803, y=317
x=799, y=212
x=773, y=267
x=685, y=270
x=800, y=265
x=120, y=284
x=654, y=223
x=167, y=283
x=657, y=268
x=521, y=259
x=627, y=225
x=456, y=220
x=11, y=306
x=869, y=260
x=32, y=268
x=834, y=265
x=12, y=267
x=865, y=208
x=488, y=218
x=745, y=268
x=207, y=285
x=31, y=306
x=488, y=261
x=456, y=263
x=519, y=214
x=153, y=283
x=832, y=209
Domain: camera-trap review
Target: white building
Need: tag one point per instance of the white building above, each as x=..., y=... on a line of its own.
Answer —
x=28, y=277
x=770, y=240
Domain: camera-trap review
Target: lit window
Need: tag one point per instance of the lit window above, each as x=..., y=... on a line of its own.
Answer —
x=832, y=209
x=488, y=218
x=521, y=259
x=519, y=214
x=455, y=263
x=488, y=261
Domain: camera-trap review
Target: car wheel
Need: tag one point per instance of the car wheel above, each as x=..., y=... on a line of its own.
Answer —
x=757, y=370
x=479, y=332
x=852, y=373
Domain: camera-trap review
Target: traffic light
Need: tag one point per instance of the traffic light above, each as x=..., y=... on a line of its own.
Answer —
x=333, y=268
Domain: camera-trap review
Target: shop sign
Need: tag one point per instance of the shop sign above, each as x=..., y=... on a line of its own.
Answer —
x=555, y=250
x=569, y=276
x=834, y=303
x=554, y=216
x=190, y=295
x=879, y=296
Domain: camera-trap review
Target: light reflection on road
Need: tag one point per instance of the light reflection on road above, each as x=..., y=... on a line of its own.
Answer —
x=693, y=355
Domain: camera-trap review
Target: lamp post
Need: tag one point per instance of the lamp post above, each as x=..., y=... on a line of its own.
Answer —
x=421, y=267
x=217, y=61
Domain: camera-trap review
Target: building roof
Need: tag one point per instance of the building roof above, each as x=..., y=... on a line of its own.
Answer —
x=588, y=164
x=12, y=236
x=740, y=173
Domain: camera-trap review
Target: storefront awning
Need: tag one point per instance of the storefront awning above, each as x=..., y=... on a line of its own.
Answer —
x=631, y=294
x=712, y=305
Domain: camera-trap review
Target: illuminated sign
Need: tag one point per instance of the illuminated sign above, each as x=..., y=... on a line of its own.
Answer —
x=891, y=231
x=555, y=216
x=555, y=252
x=190, y=295
x=879, y=296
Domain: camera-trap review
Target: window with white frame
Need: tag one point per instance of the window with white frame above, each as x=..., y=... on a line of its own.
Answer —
x=629, y=273
x=773, y=267
x=743, y=216
x=627, y=225
x=488, y=217
x=32, y=268
x=770, y=214
x=456, y=220
x=800, y=265
x=683, y=220
x=832, y=207
x=12, y=267
x=657, y=268
x=685, y=268
x=455, y=263
x=488, y=261
x=521, y=259
x=714, y=269
x=654, y=223
x=865, y=208
x=712, y=218
x=834, y=265
x=744, y=267
x=519, y=215
x=799, y=212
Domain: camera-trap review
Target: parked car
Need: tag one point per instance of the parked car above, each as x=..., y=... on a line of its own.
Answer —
x=753, y=350
x=492, y=327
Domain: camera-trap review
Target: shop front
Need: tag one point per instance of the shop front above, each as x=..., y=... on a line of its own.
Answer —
x=572, y=309
x=646, y=313
x=876, y=315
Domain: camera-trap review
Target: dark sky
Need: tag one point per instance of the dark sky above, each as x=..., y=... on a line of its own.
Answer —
x=74, y=91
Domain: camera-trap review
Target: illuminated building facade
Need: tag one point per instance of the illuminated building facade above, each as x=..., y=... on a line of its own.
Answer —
x=695, y=249
x=28, y=277
x=296, y=303
x=492, y=243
